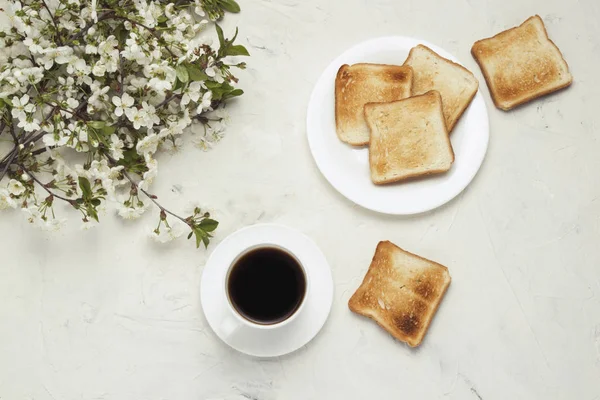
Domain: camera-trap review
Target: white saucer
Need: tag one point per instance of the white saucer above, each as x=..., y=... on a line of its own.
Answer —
x=284, y=339
x=347, y=167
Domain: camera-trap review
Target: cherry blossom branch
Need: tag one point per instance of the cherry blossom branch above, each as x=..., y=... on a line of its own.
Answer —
x=14, y=152
x=167, y=100
x=43, y=185
x=101, y=17
x=7, y=165
x=151, y=196
x=58, y=39
x=151, y=30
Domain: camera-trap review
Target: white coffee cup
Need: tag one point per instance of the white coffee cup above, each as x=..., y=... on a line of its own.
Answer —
x=233, y=321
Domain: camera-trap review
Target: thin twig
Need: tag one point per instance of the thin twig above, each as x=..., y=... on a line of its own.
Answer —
x=13, y=134
x=166, y=101
x=101, y=17
x=122, y=88
x=15, y=151
x=149, y=195
x=44, y=186
x=8, y=163
x=151, y=30
x=58, y=39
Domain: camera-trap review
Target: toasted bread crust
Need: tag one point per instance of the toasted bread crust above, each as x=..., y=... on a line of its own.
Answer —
x=507, y=97
x=455, y=106
x=402, y=299
x=358, y=84
x=381, y=164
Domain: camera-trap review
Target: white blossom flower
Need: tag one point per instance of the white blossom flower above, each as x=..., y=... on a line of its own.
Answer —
x=191, y=93
x=94, y=12
x=72, y=103
x=137, y=82
x=150, y=115
x=148, y=145
x=99, y=68
x=122, y=103
x=15, y=187
x=5, y=200
x=28, y=75
x=98, y=97
x=58, y=137
x=161, y=76
x=128, y=212
x=204, y=105
x=29, y=124
x=203, y=143
x=89, y=224
x=59, y=55
x=172, y=147
x=18, y=110
x=168, y=233
x=211, y=71
x=198, y=8
x=33, y=45
x=148, y=176
x=90, y=48
x=52, y=224
x=33, y=215
x=116, y=147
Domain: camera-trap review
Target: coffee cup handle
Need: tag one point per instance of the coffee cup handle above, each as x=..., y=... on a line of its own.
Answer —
x=230, y=325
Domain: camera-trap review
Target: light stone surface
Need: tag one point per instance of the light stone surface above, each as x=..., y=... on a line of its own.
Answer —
x=108, y=314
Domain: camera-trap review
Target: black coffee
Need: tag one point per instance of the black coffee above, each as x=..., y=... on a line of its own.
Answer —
x=266, y=285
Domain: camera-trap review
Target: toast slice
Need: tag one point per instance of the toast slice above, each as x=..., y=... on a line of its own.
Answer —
x=456, y=84
x=408, y=138
x=401, y=292
x=521, y=64
x=359, y=84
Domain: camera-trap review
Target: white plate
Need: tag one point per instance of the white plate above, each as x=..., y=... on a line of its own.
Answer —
x=289, y=337
x=347, y=168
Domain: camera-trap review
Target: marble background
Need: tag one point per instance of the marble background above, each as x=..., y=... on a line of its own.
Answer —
x=108, y=314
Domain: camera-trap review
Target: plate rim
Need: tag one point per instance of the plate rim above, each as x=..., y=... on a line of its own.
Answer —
x=324, y=170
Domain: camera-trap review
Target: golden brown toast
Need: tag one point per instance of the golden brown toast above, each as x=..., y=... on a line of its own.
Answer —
x=359, y=84
x=401, y=292
x=521, y=64
x=456, y=84
x=408, y=138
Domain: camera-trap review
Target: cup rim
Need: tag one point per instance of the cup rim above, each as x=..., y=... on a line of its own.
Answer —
x=245, y=320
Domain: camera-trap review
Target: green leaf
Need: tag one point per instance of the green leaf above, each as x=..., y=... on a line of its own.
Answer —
x=209, y=225
x=96, y=124
x=230, y=5
x=195, y=73
x=234, y=36
x=96, y=202
x=237, y=50
x=220, y=35
x=233, y=93
x=182, y=73
x=85, y=186
x=121, y=33
x=206, y=241
x=190, y=235
x=162, y=18
x=8, y=101
x=178, y=84
x=201, y=236
x=93, y=213
x=109, y=130
x=212, y=85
